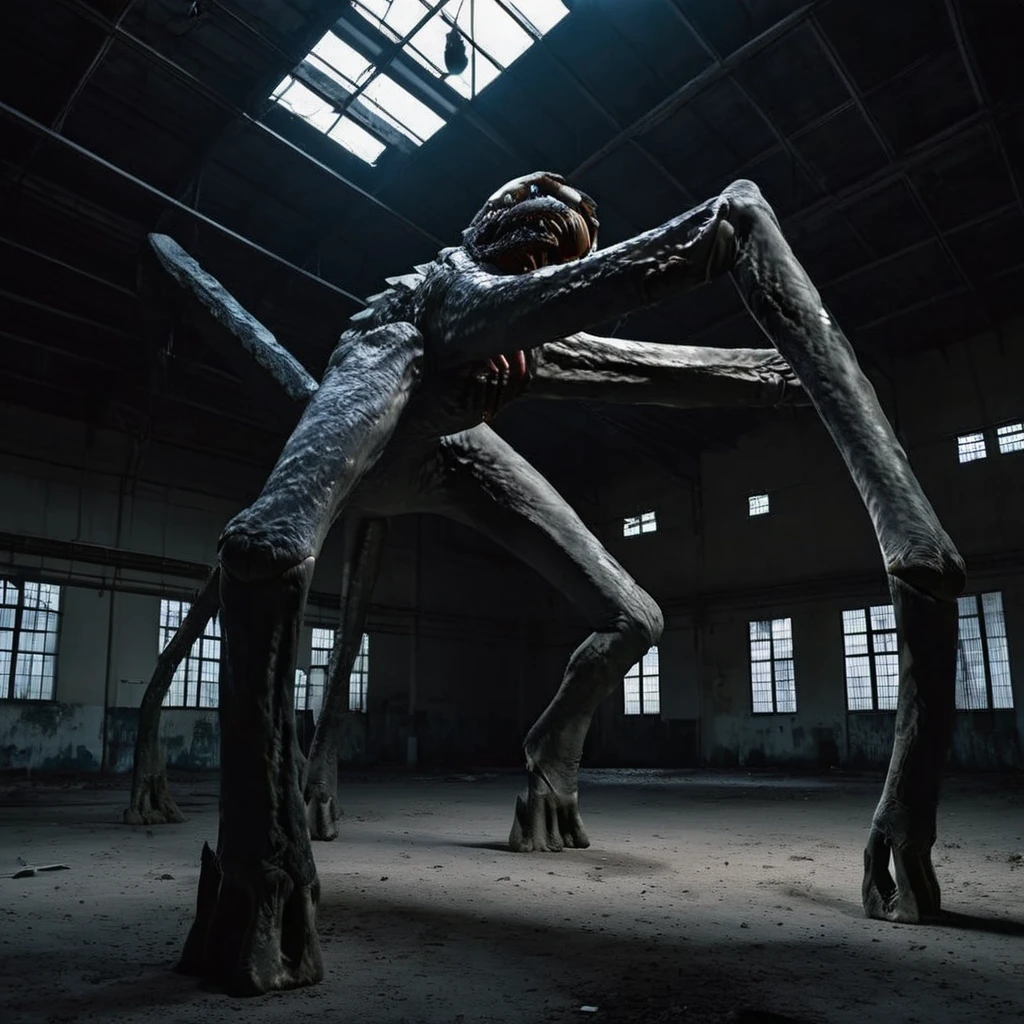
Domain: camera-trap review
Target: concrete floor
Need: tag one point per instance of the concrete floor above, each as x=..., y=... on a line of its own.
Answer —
x=704, y=898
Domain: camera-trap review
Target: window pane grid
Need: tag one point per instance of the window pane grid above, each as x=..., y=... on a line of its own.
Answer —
x=1010, y=438
x=970, y=447
x=645, y=522
x=772, y=673
x=641, y=686
x=196, y=680
x=29, y=626
x=359, y=678
x=498, y=39
x=983, y=658
x=872, y=659
x=758, y=505
x=311, y=696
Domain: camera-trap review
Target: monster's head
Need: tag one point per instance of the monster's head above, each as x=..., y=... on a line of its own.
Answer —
x=534, y=221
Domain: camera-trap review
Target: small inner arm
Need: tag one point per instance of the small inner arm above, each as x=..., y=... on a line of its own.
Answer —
x=585, y=366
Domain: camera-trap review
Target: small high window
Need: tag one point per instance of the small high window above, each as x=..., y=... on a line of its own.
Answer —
x=772, y=680
x=970, y=447
x=1010, y=438
x=758, y=505
x=29, y=626
x=196, y=680
x=983, y=659
x=633, y=526
x=872, y=658
x=641, y=686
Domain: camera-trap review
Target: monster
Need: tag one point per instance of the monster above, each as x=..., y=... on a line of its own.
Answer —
x=680, y=376
x=389, y=430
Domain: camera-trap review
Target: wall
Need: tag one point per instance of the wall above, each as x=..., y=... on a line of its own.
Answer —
x=481, y=641
x=713, y=569
x=91, y=494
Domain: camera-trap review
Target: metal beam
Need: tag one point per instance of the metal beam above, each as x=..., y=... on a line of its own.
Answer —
x=27, y=122
x=197, y=85
x=698, y=84
x=846, y=79
x=35, y=254
x=24, y=300
x=108, y=41
x=981, y=96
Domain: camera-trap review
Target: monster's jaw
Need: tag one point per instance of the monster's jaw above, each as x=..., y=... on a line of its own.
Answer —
x=537, y=221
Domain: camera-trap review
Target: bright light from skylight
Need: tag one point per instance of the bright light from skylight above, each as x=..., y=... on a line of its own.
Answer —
x=336, y=88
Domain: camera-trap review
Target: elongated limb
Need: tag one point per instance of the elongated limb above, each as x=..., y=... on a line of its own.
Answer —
x=584, y=366
x=254, y=928
x=151, y=802
x=364, y=542
x=235, y=333
x=493, y=489
x=903, y=826
x=926, y=572
x=480, y=313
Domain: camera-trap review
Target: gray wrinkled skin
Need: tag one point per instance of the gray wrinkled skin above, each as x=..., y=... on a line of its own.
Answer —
x=396, y=427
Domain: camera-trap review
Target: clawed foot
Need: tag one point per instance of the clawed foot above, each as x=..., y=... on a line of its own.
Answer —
x=254, y=929
x=153, y=805
x=914, y=894
x=546, y=820
x=322, y=811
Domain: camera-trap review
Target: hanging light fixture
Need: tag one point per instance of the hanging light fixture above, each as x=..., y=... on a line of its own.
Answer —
x=456, y=60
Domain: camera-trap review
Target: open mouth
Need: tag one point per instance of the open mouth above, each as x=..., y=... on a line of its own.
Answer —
x=544, y=239
x=533, y=222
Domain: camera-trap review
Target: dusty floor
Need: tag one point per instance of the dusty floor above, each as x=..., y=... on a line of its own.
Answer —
x=704, y=898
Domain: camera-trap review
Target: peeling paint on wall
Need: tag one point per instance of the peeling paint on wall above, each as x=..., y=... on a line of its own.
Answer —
x=47, y=737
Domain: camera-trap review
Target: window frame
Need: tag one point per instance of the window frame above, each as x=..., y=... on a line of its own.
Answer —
x=772, y=661
x=359, y=677
x=200, y=658
x=872, y=653
x=643, y=673
x=640, y=525
x=399, y=57
x=985, y=637
x=754, y=509
x=18, y=629
x=315, y=687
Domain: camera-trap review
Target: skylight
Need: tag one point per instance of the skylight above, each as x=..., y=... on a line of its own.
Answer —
x=356, y=101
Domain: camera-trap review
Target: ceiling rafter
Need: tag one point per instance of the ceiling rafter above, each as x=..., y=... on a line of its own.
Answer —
x=850, y=86
x=981, y=96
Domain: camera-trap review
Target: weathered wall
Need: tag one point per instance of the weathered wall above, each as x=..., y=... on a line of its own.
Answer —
x=713, y=568
x=491, y=638
x=438, y=584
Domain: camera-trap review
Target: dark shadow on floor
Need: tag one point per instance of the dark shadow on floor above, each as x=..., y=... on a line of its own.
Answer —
x=977, y=923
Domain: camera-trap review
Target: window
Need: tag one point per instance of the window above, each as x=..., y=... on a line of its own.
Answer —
x=641, y=688
x=359, y=677
x=29, y=620
x=983, y=659
x=196, y=681
x=758, y=504
x=301, y=685
x=872, y=658
x=772, y=681
x=970, y=447
x=311, y=693
x=1010, y=438
x=342, y=91
x=633, y=526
